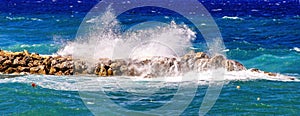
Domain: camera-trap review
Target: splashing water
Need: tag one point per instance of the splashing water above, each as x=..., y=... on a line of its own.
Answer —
x=104, y=40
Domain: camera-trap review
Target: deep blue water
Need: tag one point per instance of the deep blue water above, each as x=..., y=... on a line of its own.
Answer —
x=266, y=35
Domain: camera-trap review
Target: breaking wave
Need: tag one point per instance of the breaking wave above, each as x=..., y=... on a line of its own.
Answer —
x=232, y=18
x=107, y=41
x=78, y=83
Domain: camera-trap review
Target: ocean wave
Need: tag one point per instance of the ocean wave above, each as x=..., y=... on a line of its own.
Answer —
x=232, y=18
x=37, y=48
x=30, y=45
x=254, y=10
x=296, y=49
x=22, y=18
x=215, y=10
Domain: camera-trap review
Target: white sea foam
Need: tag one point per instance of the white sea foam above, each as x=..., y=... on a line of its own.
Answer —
x=23, y=18
x=215, y=10
x=254, y=10
x=297, y=49
x=232, y=18
x=86, y=83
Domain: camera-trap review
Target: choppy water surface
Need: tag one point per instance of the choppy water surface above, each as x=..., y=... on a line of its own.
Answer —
x=260, y=34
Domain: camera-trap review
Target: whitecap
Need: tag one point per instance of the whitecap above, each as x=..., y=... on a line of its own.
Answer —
x=232, y=18
x=15, y=18
x=24, y=46
x=215, y=10
x=297, y=49
x=226, y=50
x=36, y=19
x=202, y=24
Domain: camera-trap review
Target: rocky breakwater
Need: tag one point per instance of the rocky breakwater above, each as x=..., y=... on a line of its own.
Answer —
x=164, y=66
x=30, y=63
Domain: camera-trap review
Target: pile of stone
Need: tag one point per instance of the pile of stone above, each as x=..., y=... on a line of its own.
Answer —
x=32, y=63
x=164, y=66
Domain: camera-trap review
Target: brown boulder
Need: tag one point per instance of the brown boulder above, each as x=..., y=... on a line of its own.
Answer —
x=36, y=56
x=218, y=61
x=255, y=70
x=10, y=70
x=26, y=53
x=110, y=72
x=52, y=71
x=2, y=59
x=7, y=62
x=3, y=68
x=34, y=70
x=59, y=73
x=201, y=55
x=23, y=69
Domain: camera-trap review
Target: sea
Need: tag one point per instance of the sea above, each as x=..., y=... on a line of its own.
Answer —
x=263, y=34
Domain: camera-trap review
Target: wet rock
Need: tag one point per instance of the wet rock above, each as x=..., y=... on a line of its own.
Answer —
x=27, y=59
x=110, y=72
x=218, y=62
x=254, y=70
x=52, y=71
x=10, y=70
x=2, y=59
x=229, y=65
x=42, y=70
x=16, y=73
x=201, y=55
x=54, y=62
x=17, y=54
x=68, y=72
x=36, y=63
x=3, y=68
x=270, y=74
x=24, y=73
x=16, y=61
x=23, y=69
x=26, y=53
x=59, y=73
x=35, y=56
x=131, y=72
x=188, y=56
x=61, y=59
x=34, y=70
x=239, y=66
x=22, y=63
x=103, y=71
x=149, y=76
x=123, y=68
x=7, y=63
x=30, y=64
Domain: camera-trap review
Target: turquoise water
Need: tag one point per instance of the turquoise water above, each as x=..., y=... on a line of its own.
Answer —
x=276, y=98
x=264, y=35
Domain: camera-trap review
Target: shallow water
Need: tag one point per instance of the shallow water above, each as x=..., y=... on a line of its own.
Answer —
x=60, y=96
